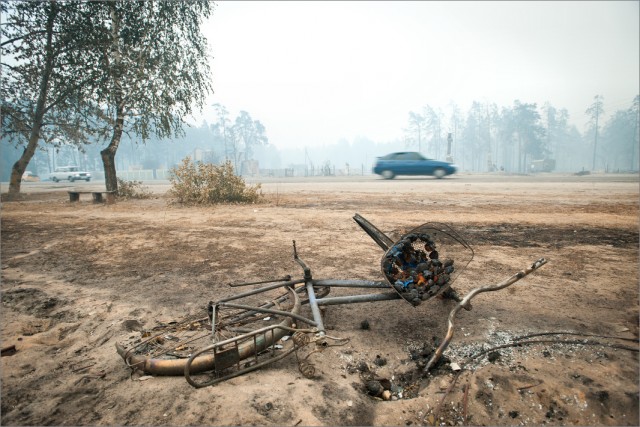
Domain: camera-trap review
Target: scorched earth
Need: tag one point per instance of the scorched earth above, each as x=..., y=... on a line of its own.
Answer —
x=77, y=278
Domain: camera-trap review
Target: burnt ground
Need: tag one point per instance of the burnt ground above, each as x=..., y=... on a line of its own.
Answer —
x=77, y=278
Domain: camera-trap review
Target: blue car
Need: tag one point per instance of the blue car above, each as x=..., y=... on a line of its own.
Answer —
x=411, y=163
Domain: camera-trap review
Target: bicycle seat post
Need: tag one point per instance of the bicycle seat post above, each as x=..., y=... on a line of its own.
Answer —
x=313, y=302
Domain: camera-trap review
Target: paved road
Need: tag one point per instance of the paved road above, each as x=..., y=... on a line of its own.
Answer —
x=370, y=182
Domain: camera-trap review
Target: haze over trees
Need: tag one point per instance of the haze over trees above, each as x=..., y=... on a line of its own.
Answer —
x=511, y=137
x=486, y=137
x=107, y=86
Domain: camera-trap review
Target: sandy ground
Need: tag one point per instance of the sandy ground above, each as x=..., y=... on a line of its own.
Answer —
x=77, y=278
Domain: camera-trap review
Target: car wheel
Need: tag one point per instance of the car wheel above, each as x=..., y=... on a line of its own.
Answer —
x=71, y=179
x=88, y=179
x=387, y=174
x=54, y=179
x=439, y=173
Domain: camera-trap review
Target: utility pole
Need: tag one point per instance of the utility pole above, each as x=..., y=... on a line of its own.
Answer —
x=594, y=112
x=595, y=142
x=489, y=138
x=634, y=141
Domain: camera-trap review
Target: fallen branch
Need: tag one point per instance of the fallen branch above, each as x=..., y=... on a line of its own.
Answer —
x=86, y=378
x=540, y=334
x=465, y=301
x=436, y=412
x=465, y=401
x=526, y=387
x=582, y=342
x=82, y=368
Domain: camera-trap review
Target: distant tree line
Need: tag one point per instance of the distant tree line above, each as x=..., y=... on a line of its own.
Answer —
x=230, y=140
x=510, y=138
x=486, y=138
x=107, y=85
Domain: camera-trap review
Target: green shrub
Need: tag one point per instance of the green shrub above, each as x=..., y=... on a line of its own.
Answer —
x=132, y=190
x=208, y=184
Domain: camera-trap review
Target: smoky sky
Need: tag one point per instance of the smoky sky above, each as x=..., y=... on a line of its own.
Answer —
x=316, y=72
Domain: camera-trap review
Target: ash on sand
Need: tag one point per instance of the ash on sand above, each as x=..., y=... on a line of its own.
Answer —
x=144, y=260
x=402, y=383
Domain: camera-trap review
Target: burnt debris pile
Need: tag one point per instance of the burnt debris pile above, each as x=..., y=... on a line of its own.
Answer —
x=413, y=267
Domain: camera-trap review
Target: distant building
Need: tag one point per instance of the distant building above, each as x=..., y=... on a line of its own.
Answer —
x=544, y=165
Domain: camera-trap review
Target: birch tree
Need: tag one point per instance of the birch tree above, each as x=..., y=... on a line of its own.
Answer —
x=46, y=77
x=155, y=70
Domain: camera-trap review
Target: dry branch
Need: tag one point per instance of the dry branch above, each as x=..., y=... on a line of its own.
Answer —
x=465, y=301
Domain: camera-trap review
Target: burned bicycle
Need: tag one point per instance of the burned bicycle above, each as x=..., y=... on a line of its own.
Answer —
x=244, y=332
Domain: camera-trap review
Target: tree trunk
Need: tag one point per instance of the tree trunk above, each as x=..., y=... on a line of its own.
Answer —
x=520, y=161
x=109, y=157
x=21, y=165
x=109, y=154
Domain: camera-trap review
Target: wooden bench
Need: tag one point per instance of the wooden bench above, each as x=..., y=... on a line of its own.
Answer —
x=110, y=196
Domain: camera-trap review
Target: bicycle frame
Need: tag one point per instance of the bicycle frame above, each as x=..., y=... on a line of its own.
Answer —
x=243, y=353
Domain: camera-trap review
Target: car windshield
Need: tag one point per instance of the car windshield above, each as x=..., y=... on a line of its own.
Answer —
x=404, y=156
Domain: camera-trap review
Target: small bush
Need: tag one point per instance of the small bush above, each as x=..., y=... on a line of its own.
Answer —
x=132, y=190
x=207, y=184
